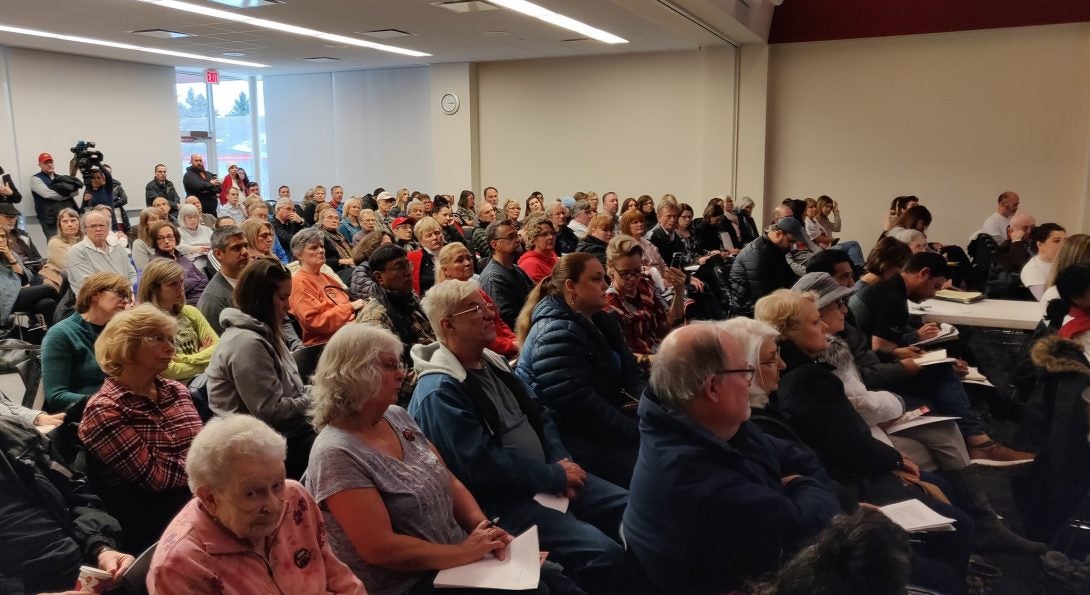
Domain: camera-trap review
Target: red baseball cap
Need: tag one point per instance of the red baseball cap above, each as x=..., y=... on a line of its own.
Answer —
x=42, y=158
x=402, y=221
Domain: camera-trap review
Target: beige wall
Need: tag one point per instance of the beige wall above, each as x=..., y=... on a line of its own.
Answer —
x=634, y=124
x=954, y=118
x=129, y=109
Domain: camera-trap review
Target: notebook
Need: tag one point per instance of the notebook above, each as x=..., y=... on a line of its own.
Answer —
x=521, y=570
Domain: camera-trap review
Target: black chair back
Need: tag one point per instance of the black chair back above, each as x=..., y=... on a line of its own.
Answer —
x=306, y=359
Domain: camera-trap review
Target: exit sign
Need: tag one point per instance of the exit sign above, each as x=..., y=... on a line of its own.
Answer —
x=212, y=77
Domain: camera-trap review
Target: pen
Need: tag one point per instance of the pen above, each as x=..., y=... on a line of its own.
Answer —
x=493, y=522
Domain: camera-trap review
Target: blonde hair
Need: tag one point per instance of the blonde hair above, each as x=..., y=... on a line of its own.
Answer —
x=623, y=246
x=425, y=225
x=782, y=310
x=123, y=335
x=251, y=227
x=446, y=256
x=95, y=284
x=159, y=272
x=1075, y=250
x=533, y=228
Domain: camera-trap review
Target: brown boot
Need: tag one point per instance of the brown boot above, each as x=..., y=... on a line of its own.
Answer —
x=994, y=454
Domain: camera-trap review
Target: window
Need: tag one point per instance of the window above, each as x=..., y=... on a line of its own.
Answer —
x=221, y=121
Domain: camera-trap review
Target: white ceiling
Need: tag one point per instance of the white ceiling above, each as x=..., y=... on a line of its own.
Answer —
x=648, y=25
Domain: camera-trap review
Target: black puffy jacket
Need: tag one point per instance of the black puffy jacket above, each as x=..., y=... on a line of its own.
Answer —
x=758, y=270
x=581, y=369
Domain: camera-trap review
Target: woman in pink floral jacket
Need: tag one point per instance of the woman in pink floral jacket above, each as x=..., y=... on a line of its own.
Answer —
x=248, y=530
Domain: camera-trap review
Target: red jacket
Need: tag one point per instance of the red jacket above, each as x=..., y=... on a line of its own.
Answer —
x=537, y=265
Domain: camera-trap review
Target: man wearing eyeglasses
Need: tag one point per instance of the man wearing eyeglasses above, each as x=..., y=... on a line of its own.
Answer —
x=494, y=437
x=394, y=306
x=755, y=498
x=503, y=280
x=93, y=254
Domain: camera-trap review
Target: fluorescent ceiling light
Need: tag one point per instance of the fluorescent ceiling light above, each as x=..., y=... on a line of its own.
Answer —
x=283, y=27
x=125, y=46
x=544, y=14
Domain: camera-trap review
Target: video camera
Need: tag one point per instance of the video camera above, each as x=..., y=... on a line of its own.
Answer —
x=86, y=157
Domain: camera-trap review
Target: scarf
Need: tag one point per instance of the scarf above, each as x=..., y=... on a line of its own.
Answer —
x=1080, y=322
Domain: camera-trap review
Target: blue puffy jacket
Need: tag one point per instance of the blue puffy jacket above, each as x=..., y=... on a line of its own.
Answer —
x=582, y=370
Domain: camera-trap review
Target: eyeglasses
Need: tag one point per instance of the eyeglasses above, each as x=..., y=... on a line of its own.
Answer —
x=399, y=266
x=747, y=372
x=626, y=275
x=842, y=303
x=392, y=366
x=121, y=294
x=167, y=237
x=476, y=309
x=158, y=340
x=772, y=362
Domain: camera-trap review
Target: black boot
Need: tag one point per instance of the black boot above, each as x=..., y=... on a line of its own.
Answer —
x=991, y=534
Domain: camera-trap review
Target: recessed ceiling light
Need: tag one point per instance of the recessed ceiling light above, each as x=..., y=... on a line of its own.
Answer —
x=544, y=14
x=161, y=33
x=283, y=27
x=321, y=60
x=464, y=6
x=386, y=33
x=125, y=46
x=234, y=54
x=248, y=3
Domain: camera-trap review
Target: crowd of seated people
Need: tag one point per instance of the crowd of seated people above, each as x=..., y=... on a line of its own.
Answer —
x=483, y=371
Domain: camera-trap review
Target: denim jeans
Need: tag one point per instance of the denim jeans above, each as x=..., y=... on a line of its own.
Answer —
x=940, y=388
x=854, y=250
x=584, y=540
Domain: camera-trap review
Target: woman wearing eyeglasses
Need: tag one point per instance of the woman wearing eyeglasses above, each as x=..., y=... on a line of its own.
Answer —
x=195, y=341
x=166, y=237
x=318, y=301
x=252, y=371
x=644, y=315
x=138, y=427
x=813, y=400
x=69, y=370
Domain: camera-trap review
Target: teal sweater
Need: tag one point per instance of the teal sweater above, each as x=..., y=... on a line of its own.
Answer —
x=69, y=370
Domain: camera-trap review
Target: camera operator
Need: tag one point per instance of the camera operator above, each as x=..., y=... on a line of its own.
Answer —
x=202, y=184
x=100, y=191
x=50, y=200
x=8, y=192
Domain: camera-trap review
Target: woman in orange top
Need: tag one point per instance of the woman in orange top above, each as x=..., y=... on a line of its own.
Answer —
x=318, y=300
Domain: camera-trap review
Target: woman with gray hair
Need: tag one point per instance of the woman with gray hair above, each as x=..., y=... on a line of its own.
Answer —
x=318, y=300
x=744, y=210
x=396, y=515
x=248, y=529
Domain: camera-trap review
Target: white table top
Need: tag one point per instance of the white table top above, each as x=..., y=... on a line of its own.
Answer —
x=1008, y=314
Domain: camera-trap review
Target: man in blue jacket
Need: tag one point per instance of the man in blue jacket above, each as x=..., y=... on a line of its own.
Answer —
x=505, y=448
x=714, y=501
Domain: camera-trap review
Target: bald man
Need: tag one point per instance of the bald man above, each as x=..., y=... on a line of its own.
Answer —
x=757, y=497
x=1010, y=257
x=996, y=224
x=202, y=184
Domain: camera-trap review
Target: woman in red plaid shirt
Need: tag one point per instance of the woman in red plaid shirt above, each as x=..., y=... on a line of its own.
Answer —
x=138, y=426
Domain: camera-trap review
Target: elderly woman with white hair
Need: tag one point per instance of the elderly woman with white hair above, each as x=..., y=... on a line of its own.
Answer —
x=395, y=513
x=248, y=529
x=318, y=300
x=138, y=427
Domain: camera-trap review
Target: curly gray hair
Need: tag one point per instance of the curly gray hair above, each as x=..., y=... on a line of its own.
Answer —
x=224, y=441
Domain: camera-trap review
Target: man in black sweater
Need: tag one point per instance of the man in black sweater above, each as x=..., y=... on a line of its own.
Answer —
x=502, y=279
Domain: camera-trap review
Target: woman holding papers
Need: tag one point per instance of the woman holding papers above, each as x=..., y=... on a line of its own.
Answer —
x=395, y=513
x=812, y=399
x=939, y=443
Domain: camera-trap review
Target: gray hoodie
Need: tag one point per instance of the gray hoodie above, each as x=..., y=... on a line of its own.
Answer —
x=247, y=375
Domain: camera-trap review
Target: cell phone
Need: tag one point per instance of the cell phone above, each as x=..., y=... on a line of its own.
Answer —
x=678, y=261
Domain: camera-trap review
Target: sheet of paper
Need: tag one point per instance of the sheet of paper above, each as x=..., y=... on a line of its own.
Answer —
x=923, y=420
x=521, y=570
x=914, y=516
x=947, y=332
x=975, y=377
x=558, y=503
x=934, y=357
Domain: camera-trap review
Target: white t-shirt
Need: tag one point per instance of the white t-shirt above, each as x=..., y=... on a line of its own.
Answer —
x=1036, y=273
x=1050, y=294
x=996, y=226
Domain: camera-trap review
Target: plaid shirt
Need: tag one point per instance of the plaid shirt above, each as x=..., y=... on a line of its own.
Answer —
x=644, y=319
x=139, y=441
